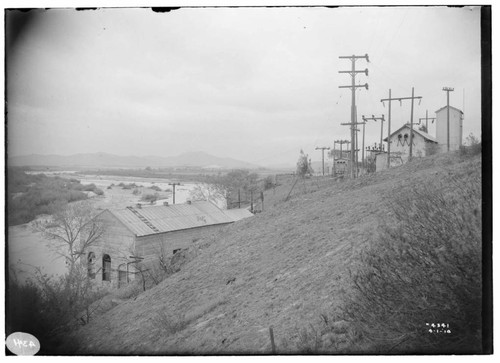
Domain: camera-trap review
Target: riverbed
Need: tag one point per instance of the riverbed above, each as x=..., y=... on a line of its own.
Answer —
x=28, y=250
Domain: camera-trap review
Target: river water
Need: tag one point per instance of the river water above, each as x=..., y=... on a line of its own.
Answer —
x=28, y=249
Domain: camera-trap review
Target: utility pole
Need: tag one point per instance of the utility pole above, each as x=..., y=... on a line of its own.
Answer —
x=400, y=99
x=353, y=87
x=427, y=118
x=354, y=145
x=388, y=129
x=373, y=118
x=356, y=149
x=173, y=185
x=334, y=150
x=411, y=124
x=323, y=156
x=448, y=90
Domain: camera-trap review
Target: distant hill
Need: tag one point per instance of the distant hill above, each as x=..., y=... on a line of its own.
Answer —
x=100, y=159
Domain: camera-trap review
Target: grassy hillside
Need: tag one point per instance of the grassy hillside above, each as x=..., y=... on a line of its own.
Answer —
x=292, y=267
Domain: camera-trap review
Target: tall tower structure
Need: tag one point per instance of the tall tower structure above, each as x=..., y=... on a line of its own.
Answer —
x=456, y=117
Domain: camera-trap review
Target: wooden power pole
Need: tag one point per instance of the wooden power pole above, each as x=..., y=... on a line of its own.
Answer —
x=353, y=87
x=400, y=99
x=448, y=90
x=427, y=118
x=173, y=185
x=323, y=156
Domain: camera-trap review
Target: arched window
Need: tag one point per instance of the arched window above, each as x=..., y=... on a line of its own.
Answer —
x=106, y=268
x=122, y=275
x=400, y=139
x=91, y=265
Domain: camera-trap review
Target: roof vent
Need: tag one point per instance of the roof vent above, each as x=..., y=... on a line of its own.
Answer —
x=165, y=204
x=188, y=202
x=138, y=205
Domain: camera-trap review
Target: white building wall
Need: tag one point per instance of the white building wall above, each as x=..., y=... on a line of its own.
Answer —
x=117, y=242
x=456, y=126
x=120, y=243
x=150, y=247
x=402, y=147
x=381, y=161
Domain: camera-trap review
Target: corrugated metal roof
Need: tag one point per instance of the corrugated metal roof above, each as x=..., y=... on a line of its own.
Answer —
x=160, y=219
x=238, y=214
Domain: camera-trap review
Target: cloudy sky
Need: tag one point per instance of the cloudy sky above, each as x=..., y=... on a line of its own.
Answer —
x=256, y=84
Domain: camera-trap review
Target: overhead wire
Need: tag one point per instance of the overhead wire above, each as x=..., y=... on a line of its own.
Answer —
x=394, y=34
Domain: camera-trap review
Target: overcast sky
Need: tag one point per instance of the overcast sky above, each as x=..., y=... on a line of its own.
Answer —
x=256, y=84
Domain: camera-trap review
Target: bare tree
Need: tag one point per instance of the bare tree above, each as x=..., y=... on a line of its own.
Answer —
x=213, y=192
x=72, y=297
x=72, y=231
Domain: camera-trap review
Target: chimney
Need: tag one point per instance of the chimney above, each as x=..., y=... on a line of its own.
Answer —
x=139, y=205
x=165, y=204
x=188, y=202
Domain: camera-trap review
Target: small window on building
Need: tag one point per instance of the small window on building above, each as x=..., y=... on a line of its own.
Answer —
x=106, y=268
x=91, y=265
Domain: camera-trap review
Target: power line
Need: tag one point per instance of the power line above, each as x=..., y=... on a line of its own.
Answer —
x=400, y=99
x=382, y=51
x=427, y=118
x=381, y=131
x=353, y=72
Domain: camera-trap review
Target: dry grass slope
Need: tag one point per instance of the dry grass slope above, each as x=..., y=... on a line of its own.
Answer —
x=292, y=267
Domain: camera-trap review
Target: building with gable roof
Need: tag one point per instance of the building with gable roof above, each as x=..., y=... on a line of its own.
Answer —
x=400, y=146
x=147, y=233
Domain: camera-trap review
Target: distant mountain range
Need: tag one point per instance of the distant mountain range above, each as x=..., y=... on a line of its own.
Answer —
x=102, y=160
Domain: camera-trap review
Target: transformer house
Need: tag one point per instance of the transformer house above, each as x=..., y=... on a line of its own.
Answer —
x=146, y=233
x=400, y=143
x=340, y=167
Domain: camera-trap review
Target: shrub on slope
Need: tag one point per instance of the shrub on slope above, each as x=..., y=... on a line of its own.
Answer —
x=423, y=269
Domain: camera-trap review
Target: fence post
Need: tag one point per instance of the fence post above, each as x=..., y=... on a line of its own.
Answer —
x=295, y=182
x=271, y=334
